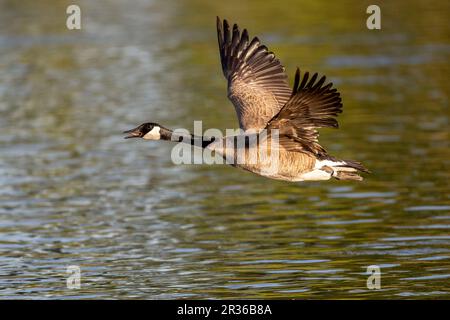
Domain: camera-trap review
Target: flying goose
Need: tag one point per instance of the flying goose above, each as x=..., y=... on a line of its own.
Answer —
x=270, y=114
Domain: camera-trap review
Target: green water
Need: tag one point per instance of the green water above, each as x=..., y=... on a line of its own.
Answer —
x=73, y=192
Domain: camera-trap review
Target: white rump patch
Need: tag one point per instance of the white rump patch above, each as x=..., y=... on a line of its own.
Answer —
x=153, y=134
x=320, y=163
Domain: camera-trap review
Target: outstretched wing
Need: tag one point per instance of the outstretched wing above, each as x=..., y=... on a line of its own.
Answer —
x=257, y=83
x=312, y=105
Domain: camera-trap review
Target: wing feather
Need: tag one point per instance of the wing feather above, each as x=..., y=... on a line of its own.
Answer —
x=257, y=83
x=312, y=105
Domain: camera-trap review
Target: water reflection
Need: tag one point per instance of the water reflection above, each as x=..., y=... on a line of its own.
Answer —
x=73, y=192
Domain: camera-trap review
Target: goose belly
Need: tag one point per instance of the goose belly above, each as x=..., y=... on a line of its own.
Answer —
x=288, y=166
x=277, y=164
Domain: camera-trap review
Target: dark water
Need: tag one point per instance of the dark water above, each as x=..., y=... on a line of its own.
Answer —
x=73, y=192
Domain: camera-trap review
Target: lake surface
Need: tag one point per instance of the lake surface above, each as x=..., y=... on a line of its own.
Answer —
x=74, y=192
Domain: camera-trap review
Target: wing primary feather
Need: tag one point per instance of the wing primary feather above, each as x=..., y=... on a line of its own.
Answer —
x=304, y=80
x=319, y=83
x=235, y=39
x=257, y=82
x=312, y=80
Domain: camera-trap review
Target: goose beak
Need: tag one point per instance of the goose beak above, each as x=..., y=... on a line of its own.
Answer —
x=133, y=133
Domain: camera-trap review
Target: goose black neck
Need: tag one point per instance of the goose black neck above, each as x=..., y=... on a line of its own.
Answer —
x=197, y=141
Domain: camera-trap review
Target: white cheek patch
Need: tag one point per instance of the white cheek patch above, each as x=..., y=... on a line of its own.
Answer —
x=153, y=134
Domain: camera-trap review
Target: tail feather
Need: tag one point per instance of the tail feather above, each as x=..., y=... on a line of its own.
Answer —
x=354, y=164
x=342, y=169
x=344, y=175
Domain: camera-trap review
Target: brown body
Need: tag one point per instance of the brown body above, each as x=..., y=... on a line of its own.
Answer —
x=262, y=156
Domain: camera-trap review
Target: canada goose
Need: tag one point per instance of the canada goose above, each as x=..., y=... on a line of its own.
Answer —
x=259, y=91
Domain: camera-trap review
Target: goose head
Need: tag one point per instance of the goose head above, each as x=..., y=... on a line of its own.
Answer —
x=147, y=131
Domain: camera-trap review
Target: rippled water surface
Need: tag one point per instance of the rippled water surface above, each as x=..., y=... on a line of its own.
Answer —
x=73, y=192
